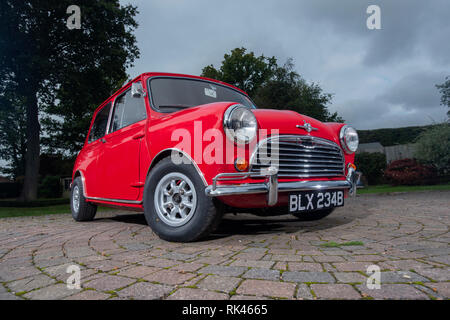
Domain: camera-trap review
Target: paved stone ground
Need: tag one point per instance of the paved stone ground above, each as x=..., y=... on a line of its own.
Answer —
x=249, y=257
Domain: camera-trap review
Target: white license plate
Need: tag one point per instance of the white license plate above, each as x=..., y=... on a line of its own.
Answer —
x=315, y=200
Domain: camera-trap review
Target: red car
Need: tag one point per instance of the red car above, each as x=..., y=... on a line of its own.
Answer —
x=186, y=149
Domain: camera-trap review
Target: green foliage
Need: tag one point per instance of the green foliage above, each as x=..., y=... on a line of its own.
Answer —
x=444, y=88
x=50, y=187
x=433, y=147
x=390, y=137
x=273, y=86
x=243, y=70
x=371, y=165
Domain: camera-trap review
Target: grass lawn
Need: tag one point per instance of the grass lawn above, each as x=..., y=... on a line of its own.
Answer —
x=387, y=188
x=38, y=211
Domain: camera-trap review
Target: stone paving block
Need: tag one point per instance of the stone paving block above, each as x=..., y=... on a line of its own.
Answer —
x=265, y=274
x=53, y=292
x=88, y=295
x=315, y=277
x=352, y=266
x=327, y=258
x=443, y=288
x=267, y=288
x=305, y=266
x=393, y=291
x=109, y=283
x=243, y=297
x=146, y=291
x=31, y=283
x=436, y=274
x=401, y=277
x=10, y=274
x=224, y=270
x=304, y=292
x=188, y=267
x=335, y=291
x=159, y=262
x=197, y=294
x=253, y=263
x=138, y=271
x=349, y=277
x=169, y=277
x=219, y=283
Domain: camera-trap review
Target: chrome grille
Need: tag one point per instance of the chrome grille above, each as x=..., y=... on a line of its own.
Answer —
x=299, y=156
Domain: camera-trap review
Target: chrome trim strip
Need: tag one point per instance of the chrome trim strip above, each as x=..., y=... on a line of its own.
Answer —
x=282, y=187
x=115, y=200
x=187, y=156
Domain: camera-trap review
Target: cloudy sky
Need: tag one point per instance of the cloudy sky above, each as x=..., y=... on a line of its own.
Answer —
x=379, y=78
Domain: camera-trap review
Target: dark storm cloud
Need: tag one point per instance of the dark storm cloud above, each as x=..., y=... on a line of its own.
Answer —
x=380, y=78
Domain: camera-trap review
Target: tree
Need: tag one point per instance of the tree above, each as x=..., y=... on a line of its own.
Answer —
x=12, y=135
x=444, y=88
x=286, y=89
x=47, y=65
x=243, y=70
x=271, y=85
x=433, y=147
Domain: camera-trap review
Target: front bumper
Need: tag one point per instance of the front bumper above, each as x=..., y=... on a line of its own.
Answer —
x=272, y=187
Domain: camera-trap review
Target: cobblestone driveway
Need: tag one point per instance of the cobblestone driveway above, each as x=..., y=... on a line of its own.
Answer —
x=406, y=235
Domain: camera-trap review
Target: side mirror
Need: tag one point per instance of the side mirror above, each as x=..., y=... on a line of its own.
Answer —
x=136, y=90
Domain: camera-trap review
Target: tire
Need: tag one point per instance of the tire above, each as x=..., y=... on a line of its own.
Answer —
x=313, y=215
x=175, y=204
x=81, y=209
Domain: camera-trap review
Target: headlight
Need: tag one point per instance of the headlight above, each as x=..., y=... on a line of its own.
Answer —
x=349, y=139
x=239, y=124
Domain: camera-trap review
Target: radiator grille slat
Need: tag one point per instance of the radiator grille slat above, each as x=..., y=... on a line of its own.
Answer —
x=300, y=156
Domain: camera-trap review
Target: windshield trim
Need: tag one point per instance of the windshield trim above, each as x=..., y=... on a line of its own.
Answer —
x=150, y=94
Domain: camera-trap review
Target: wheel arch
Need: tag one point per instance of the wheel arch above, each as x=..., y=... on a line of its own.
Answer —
x=167, y=153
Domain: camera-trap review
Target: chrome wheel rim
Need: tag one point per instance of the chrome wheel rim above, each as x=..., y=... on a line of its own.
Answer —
x=175, y=199
x=76, y=198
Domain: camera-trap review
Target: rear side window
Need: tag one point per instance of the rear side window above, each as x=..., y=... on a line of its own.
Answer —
x=98, y=129
x=127, y=110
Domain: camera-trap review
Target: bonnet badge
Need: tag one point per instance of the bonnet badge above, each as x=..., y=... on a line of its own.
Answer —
x=307, y=126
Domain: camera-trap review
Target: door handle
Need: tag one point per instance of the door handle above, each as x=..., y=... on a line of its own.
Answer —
x=139, y=136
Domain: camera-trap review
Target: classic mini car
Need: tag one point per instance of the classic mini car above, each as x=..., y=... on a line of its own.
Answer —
x=186, y=149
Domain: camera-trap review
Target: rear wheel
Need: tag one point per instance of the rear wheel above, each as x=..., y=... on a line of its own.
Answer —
x=175, y=204
x=81, y=209
x=313, y=215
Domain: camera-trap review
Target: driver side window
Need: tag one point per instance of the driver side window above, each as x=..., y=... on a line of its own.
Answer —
x=127, y=110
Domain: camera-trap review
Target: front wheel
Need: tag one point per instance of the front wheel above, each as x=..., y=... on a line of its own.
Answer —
x=313, y=215
x=175, y=204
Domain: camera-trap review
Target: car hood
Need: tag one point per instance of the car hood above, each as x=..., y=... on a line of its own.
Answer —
x=286, y=122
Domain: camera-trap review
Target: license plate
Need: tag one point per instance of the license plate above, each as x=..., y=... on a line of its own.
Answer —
x=315, y=200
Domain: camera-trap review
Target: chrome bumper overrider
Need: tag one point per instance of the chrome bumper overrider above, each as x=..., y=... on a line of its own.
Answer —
x=272, y=187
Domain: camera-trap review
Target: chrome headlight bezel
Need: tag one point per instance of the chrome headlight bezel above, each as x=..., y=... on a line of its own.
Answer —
x=234, y=134
x=347, y=138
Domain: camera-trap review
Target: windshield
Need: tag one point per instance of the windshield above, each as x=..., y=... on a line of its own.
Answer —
x=173, y=94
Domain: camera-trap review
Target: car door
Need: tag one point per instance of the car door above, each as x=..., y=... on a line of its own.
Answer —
x=93, y=149
x=118, y=162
